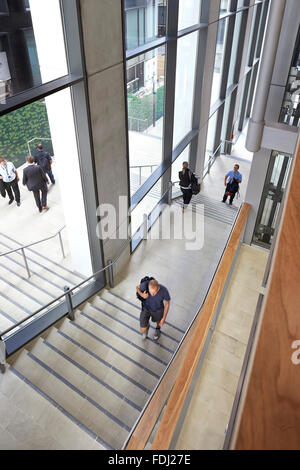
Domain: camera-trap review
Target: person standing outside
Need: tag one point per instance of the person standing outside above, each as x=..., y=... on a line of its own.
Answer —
x=44, y=160
x=232, y=181
x=185, y=183
x=10, y=179
x=36, y=181
x=155, y=306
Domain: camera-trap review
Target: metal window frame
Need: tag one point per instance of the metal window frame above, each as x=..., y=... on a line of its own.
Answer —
x=170, y=42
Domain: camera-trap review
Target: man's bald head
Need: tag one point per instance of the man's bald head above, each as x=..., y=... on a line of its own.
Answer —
x=153, y=287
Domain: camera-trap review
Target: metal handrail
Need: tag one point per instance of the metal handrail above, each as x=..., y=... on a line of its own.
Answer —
x=35, y=138
x=140, y=170
x=22, y=248
x=69, y=291
x=32, y=244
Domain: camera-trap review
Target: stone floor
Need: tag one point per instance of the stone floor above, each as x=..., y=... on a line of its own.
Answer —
x=210, y=407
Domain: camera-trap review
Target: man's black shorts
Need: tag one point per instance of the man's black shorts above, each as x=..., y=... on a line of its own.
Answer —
x=147, y=314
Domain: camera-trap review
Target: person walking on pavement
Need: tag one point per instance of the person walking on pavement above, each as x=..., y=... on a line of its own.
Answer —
x=232, y=181
x=10, y=178
x=36, y=181
x=155, y=306
x=44, y=160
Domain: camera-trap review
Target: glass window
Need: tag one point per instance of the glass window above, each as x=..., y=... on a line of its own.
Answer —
x=189, y=13
x=145, y=94
x=185, y=84
x=224, y=7
x=216, y=85
x=32, y=46
x=240, y=4
x=177, y=165
x=235, y=44
x=145, y=21
x=211, y=134
x=145, y=206
x=3, y=6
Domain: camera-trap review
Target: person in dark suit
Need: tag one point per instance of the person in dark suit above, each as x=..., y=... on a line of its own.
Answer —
x=36, y=181
x=44, y=160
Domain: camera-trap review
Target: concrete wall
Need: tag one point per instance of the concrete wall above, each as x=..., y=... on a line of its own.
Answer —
x=103, y=48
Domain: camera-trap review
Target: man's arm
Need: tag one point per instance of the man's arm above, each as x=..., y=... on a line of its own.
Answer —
x=142, y=294
x=44, y=176
x=17, y=176
x=24, y=178
x=166, y=309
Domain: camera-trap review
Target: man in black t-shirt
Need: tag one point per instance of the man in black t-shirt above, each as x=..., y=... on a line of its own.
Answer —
x=156, y=305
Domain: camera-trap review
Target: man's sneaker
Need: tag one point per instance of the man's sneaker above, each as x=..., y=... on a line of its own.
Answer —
x=10, y=202
x=156, y=334
x=18, y=204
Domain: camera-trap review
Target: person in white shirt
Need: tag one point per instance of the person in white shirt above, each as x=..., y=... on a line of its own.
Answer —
x=10, y=179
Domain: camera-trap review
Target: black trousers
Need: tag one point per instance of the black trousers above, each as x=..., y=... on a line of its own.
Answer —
x=13, y=190
x=233, y=193
x=41, y=201
x=187, y=196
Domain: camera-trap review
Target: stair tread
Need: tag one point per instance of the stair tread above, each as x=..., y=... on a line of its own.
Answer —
x=83, y=411
x=86, y=384
x=110, y=356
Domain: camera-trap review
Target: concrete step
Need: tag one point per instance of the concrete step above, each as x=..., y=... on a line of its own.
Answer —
x=97, y=366
x=80, y=407
x=131, y=307
x=87, y=383
x=137, y=352
x=108, y=352
x=112, y=319
x=29, y=421
x=128, y=301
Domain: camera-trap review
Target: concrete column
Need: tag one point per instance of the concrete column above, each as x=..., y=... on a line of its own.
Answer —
x=255, y=188
x=103, y=47
x=256, y=124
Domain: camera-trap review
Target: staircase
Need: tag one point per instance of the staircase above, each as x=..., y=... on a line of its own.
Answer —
x=19, y=295
x=97, y=371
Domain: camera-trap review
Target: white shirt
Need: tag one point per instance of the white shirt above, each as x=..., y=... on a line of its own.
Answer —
x=8, y=172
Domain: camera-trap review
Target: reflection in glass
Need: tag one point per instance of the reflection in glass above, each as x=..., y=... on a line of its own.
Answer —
x=185, y=84
x=145, y=94
x=145, y=21
x=32, y=47
x=189, y=13
x=222, y=30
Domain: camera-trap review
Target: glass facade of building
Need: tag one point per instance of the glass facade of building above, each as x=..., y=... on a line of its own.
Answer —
x=164, y=87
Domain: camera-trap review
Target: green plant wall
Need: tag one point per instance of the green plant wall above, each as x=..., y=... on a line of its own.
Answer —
x=20, y=126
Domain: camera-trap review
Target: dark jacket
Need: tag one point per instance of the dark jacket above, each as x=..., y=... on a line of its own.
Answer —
x=43, y=159
x=34, y=178
x=186, y=178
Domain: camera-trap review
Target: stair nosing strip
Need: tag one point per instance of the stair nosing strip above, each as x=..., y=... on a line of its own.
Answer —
x=25, y=280
x=93, y=376
x=147, y=353
x=15, y=303
x=115, y=349
x=43, y=256
x=79, y=392
x=60, y=408
x=131, y=303
x=130, y=327
x=8, y=317
x=135, y=318
x=107, y=364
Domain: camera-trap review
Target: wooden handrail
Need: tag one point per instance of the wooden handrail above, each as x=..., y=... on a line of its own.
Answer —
x=269, y=415
x=186, y=358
